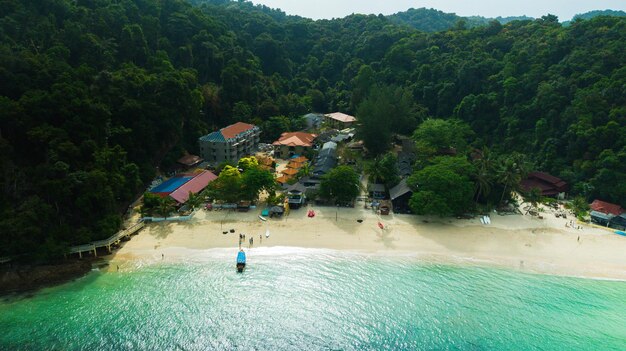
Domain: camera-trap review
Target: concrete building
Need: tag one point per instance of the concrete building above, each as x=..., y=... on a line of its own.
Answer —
x=340, y=120
x=293, y=143
x=230, y=143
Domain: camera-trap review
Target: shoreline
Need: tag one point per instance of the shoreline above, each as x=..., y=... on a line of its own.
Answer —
x=522, y=243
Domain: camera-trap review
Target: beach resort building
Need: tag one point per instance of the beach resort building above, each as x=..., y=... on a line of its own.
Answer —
x=340, y=120
x=230, y=143
x=293, y=143
x=179, y=187
x=549, y=185
x=400, y=196
x=608, y=214
x=325, y=160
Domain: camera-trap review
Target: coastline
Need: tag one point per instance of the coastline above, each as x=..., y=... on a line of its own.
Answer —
x=523, y=243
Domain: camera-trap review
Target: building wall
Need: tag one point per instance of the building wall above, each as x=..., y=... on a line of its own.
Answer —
x=284, y=151
x=244, y=144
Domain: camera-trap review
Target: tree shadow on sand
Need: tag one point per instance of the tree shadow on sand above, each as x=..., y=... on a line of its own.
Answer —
x=161, y=230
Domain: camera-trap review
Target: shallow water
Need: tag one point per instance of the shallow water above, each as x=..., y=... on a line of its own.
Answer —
x=302, y=299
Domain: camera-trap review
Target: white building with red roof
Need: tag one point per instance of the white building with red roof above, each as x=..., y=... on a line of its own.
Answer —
x=293, y=143
x=230, y=143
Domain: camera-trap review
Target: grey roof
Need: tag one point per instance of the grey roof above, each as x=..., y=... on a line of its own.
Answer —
x=376, y=187
x=601, y=215
x=329, y=145
x=323, y=165
x=399, y=190
x=296, y=187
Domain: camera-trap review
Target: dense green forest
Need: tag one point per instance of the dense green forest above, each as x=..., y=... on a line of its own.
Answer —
x=95, y=94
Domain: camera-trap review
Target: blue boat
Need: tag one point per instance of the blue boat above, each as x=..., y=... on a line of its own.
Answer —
x=619, y=232
x=241, y=261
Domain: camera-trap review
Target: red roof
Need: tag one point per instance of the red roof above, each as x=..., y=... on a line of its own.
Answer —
x=235, y=129
x=295, y=139
x=606, y=207
x=196, y=185
x=556, y=182
x=548, y=184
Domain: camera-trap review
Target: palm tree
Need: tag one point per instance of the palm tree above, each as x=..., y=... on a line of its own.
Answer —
x=511, y=171
x=305, y=170
x=534, y=198
x=166, y=206
x=484, y=174
x=375, y=170
x=194, y=200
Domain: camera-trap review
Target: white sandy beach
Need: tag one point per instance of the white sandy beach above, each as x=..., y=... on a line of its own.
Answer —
x=513, y=241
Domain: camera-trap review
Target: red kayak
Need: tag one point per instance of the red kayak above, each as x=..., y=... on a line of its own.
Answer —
x=311, y=214
x=381, y=226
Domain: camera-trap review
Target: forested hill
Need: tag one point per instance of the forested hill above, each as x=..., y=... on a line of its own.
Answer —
x=431, y=20
x=95, y=94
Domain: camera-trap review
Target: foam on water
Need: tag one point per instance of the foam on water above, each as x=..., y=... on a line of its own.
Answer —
x=309, y=299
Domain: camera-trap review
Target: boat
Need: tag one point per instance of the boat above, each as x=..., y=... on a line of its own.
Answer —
x=262, y=218
x=619, y=232
x=311, y=214
x=267, y=233
x=241, y=261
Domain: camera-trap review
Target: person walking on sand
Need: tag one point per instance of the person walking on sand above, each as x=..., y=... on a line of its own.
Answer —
x=260, y=238
x=162, y=256
x=578, y=238
x=251, y=241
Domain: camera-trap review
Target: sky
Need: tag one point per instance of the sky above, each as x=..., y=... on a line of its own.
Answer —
x=564, y=9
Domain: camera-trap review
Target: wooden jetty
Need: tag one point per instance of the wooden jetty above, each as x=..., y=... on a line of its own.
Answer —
x=114, y=239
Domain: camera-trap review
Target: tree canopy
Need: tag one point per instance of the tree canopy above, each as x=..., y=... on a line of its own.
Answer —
x=96, y=94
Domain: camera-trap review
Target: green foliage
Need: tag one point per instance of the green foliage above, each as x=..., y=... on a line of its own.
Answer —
x=386, y=110
x=150, y=203
x=580, y=206
x=165, y=207
x=384, y=169
x=435, y=136
x=340, y=184
x=534, y=198
x=443, y=188
x=228, y=185
x=246, y=163
x=256, y=180
x=95, y=94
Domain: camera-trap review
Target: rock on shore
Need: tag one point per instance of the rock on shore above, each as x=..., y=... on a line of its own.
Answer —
x=23, y=278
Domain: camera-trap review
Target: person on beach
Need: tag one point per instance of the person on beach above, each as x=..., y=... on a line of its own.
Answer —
x=162, y=256
x=251, y=241
x=260, y=238
x=578, y=239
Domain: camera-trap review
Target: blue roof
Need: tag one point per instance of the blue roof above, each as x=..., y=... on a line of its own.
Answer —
x=171, y=184
x=215, y=136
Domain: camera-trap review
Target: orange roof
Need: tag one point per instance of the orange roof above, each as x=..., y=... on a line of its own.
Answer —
x=283, y=179
x=290, y=171
x=341, y=117
x=606, y=207
x=235, y=129
x=300, y=159
x=295, y=164
x=295, y=139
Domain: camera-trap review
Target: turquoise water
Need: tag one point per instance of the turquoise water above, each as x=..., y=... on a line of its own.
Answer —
x=297, y=299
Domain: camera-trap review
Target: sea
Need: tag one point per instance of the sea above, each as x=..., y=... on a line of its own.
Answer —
x=310, y=299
